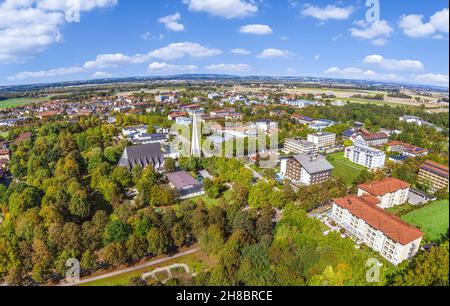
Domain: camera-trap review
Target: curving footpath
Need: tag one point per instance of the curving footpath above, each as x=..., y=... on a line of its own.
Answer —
x=131, y=269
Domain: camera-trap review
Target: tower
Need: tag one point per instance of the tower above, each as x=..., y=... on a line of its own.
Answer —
x=195, y=142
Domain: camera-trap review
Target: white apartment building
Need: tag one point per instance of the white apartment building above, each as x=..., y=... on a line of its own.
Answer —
x=299, y=146
x=366, y=156
x=390, y=192
x=322, y=140
x=367, y=223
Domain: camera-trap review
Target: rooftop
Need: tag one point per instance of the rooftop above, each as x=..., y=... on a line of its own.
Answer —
x=182, y=180
x=380, y=188
x=435, y=168
x=365, y=208
x=314, y=164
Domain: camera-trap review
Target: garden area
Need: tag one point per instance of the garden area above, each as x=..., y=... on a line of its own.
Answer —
x=432, y=219
x=345, y=169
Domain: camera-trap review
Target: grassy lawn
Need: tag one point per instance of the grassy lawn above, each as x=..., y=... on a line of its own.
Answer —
x=344, y=168
x=214, y=202
x=432, y=219
x=197, y=262
x=21, y=101
x=4, y=135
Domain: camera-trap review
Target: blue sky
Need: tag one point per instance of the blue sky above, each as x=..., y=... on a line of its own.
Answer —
x=41, y=41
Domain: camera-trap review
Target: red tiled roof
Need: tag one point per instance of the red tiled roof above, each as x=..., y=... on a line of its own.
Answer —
x=390, y=225
x=380, y=188
x=375, y=136
x=435, y=168
x=407, y=147
x=22, y=137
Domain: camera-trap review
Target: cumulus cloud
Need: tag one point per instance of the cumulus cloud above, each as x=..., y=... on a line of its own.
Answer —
x=256, y=29
x=357, y=73
x=101, y=75
x=228, y=67
x=377, y=32
x=164, y=67
x=274, y=53
x=228, y=9
x=171, y=22
x=434, y=79
x=28, y=27
x=393, y=64
x=413, y=25
x=240, y=51
x=327, y=12
x=103, y=61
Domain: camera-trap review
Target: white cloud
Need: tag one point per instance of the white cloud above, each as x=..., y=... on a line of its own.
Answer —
x=256, y=29
x=274, y=53
x=393, y=64
x=228, y=67
x=103, y=61
x=434, y=79
x=356, y=73
x=378, y=32
x=171, y=22
x=47, y=73
x=317, y=57
x=156, y=66
x=101, y=75
x=150, y=36
x=28, y=27
x=223, y=8
x=413, y=25
x=180, y=50
x=328, y=12
x=240, y=51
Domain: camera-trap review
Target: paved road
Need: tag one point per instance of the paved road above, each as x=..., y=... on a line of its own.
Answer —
x=256, y=174
x=131, y=269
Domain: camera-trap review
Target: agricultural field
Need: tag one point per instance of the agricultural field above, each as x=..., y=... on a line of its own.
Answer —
x=432, y=219
x=345, y=169
x=197, y=262
x=21, y=101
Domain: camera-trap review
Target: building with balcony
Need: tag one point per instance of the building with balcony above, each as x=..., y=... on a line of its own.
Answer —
x=390, y=192
x=365, y=222
x=299, y=146
x=368, y=157
x=434, y=175
x=322, y=140
x=306, y=170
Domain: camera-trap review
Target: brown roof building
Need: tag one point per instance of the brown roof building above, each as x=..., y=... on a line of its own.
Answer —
x=434, y=175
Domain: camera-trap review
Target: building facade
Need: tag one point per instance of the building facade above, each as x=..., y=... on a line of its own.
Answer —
x=390, y=192
x=306, y=170
x=299, y=146
x=435, y=175
x=368, y=157
x=322, y=140
x=367, y=223
x=372, y=140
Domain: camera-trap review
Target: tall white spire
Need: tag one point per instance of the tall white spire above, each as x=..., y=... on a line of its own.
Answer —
x=195, y=142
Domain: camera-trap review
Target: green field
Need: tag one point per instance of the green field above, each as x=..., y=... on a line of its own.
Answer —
x=21, y=101
x=197, y=262
x=344, y=168
x=214, y=202
x=432, y=219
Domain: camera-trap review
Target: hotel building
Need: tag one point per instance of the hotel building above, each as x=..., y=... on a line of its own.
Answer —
x=366, y=156
x=390, y=191
x=435, y=175
x=367, y=223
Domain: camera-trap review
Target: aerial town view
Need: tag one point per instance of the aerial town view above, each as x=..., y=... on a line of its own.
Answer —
x=231, y=143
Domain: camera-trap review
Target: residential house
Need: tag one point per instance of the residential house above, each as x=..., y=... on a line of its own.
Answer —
x=185, y=185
